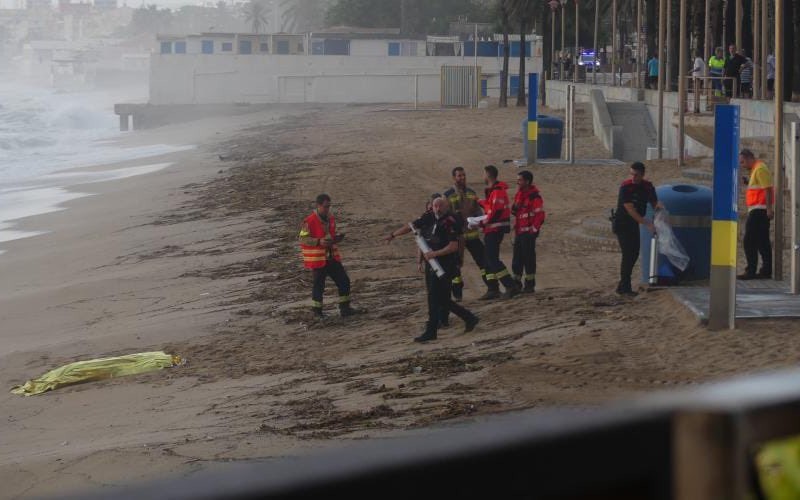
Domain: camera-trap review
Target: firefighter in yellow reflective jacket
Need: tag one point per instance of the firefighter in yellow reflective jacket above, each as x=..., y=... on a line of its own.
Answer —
x=464, y=203
x=319, y=244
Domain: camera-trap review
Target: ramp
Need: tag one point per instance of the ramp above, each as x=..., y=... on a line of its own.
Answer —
x=638, y=129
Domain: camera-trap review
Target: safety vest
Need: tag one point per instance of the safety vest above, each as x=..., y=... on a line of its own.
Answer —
x=528, y=210
x=716, y=66
x=760, y=182
x=317, y=256
x=497, y=208
x=459, y=202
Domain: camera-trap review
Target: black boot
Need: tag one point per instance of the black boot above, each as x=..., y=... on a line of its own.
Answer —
x=317, y=312
x=345, y=310
x=471, y=323
x=493, y=292
x=426, y=336
x=530, y=286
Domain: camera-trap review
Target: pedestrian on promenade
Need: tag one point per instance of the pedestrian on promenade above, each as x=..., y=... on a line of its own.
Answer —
x=746, y=76
x=770, y=75
x=716, y=70
x=652, y=72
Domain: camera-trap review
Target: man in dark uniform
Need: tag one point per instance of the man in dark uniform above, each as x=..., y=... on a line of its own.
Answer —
x=634, y=195
x=441, y=232
x=464, y=202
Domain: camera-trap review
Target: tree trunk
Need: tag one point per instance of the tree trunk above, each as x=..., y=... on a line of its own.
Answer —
x=521, y=90
x=506, y=55
x=795, y=54
x=652, y=28
x=788, y=49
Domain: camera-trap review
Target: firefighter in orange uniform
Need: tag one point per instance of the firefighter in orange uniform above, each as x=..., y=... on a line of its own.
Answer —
x=319, y=244
x=497, y=224
x=528, y=210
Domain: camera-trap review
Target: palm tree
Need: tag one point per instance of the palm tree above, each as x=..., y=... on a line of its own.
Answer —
x=504, y=11
x=523, y=11
x=255, y=13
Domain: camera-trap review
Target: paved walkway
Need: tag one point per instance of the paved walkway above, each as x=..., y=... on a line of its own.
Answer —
x=754, y=299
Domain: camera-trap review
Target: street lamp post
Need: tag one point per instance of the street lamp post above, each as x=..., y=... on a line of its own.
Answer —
x=576, y=55
x=563, y=31
x=614, y=42
x=596, y=25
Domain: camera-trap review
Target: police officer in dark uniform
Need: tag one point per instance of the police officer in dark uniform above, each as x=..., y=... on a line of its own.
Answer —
x=634, y=195
x=441, y=230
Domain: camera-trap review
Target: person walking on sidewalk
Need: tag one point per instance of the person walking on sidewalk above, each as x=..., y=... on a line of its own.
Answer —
x=496, y=225
x=760, y=199
x=464, y=202
x=319, y=245
x=528, y=211
x=441, y=231
x=634, y=195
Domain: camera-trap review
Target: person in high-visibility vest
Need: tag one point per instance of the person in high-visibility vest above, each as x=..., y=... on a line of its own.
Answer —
x=760, y=199
x=464, y=202
x=319, y=245
x=716, y=68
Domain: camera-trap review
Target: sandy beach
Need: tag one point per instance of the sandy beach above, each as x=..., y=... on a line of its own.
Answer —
x=200, y=259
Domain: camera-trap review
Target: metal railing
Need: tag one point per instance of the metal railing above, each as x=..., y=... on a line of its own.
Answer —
x=703, y=92
x=686, y=445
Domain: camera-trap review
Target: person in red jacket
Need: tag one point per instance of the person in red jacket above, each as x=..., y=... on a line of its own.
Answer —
x=497, y=208
x=528, y=211
x=319, y=244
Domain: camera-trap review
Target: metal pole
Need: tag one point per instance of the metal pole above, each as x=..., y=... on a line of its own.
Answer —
x=724, y=218
x=668, y=48
x=682, y=84
x=533, y=125
x=552, y=41
x=475, y=68
x=416, y=90
x=739, y=15
x=596, y=25
x=777, y=260
x=756, y=51
x=572, y=125
x=764, y=45
x=614, y=42
x=563, y=31
x=638, y=43
x=662, y=18
x=795, y=193
x=707, y=48
x=576, y=56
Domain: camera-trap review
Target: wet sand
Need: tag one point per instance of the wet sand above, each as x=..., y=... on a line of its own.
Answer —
x=200, y=259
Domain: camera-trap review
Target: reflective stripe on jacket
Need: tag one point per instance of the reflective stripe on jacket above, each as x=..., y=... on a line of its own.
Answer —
x=528, y=210
x=760, y=182
x=497, y=208
x=465, y=203
x=317, y=256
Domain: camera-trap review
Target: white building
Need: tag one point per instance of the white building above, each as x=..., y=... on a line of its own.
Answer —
x=215, y=68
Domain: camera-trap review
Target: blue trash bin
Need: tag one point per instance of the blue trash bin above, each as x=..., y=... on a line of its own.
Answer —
x=551, y=133
x=689, y=208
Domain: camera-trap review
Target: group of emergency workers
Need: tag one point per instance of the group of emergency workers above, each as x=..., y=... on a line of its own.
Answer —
x=451, y=224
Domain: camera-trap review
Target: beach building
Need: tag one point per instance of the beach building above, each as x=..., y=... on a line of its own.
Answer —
x=333, y=66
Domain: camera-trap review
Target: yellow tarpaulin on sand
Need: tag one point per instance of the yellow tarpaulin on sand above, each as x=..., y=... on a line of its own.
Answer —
x=97, y=369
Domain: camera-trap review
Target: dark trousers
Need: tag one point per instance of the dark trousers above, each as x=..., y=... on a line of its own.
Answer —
x=478, y=253
x=756, y=241
x=337, y=273
x=439, y=301
x=495, y=269
x=628, y=238
x=524, y=263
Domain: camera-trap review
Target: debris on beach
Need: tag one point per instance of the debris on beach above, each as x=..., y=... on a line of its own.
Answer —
x=98, y=369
